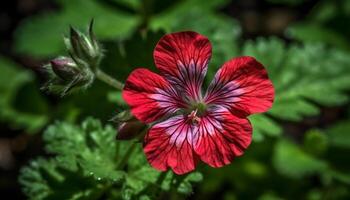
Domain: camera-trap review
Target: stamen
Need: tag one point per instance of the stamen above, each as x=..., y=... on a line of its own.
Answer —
x=193, y=117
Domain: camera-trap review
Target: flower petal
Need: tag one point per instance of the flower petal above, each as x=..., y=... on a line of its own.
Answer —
x=222, y=137
x=150, y=96
x=216, y=140
x=169, y=144
x=241, y=85
x=183, y=59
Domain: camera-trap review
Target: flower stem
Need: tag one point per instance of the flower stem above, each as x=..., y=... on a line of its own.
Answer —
x=108, y=79
x=126, y=156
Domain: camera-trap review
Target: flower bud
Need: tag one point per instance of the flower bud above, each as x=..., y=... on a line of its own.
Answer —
x=65, y=68
x=64, y=76
x=130, y=129
x=84, y=47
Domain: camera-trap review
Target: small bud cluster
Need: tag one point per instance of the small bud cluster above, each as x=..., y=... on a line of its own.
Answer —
x=76, y=71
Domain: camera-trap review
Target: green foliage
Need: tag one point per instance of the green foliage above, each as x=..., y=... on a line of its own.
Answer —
x=185, y=186
x=262, y=126
x=18, y=86
x=339, y=135
x=311, y=32
x=182, y=10
x=292, y=162
x=89, y=147
x=84, y=159
x=87, y=162
x=280, y=163
x=315, y=142
x=44, y=179
x=112, y=21
x=50, y=26
x=302, y=75
x=326, y=23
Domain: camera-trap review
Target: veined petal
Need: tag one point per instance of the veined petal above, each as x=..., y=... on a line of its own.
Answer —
x=222, y=136
x=242, y=86
x=216, y=139
x=183, y=59
x=169, y=144
x=150, y=96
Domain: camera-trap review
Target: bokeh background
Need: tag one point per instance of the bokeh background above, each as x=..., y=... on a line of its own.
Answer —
x=301, y=147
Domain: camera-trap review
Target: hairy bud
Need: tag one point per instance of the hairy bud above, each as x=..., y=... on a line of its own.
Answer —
x=130, y=129
x=128, y=126
x=84, y=48
x=65, y=75
x=78, y=70
x=65, y=68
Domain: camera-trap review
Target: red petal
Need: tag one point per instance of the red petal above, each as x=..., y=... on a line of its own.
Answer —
x=150, y=96
x=183, y=59
x=169, y=144
x=216, y=139
x=242, y=86
x=222, y=137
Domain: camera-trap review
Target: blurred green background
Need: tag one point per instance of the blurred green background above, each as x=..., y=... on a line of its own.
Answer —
x=301, y=146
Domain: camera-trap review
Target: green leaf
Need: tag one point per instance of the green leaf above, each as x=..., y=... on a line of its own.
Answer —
x=90, y=147
x=21, y=104
x=85, y=163
x=339, y=134
x=43, y=179
x=340, y=176
x=292, y=162
x=50, y=26
x=263, y=125
x=141, y=175
x=185, y=187
x=326, y=22
x=308, y=32
x=172, y=16
x=315, y=142
x=303, y=73
x=302, y=76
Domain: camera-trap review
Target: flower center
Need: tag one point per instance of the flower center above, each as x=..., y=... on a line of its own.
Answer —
x=196, y=111
x=193, y=117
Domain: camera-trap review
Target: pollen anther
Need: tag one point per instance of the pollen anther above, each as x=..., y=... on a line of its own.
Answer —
x=193, y=117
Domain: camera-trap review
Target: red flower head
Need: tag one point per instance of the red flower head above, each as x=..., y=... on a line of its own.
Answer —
x=189, y=126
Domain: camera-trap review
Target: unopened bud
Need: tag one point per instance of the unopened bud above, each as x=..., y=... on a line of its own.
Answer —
x=64, y=76
x=65, y=68
x=84, y=46
x=130, y=129
x=128, y=126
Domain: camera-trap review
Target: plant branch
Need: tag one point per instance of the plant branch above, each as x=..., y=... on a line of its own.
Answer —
x=108, y=79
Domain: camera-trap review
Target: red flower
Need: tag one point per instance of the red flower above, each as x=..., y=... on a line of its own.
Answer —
x=187, y=125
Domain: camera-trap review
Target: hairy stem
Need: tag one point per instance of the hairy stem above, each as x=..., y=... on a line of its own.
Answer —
x=108, y=79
